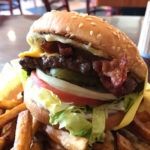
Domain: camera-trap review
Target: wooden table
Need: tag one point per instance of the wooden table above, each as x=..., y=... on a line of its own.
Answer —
x=13, y=30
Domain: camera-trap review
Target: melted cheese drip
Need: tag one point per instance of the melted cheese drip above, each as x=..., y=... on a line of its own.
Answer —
x=35, y=39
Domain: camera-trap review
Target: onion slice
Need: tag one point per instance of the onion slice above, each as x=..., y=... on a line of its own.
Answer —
x=72, y=88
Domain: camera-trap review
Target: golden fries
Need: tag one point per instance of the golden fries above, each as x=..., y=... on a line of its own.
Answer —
x=138, y=127
x=55, y=146
x=36, y=146
x=9, y=104
x=8, y=116
x=35, y=126
x=23, y=131
x=123, y=143
x=66, y=140
x=2, y=142
x=9, y=132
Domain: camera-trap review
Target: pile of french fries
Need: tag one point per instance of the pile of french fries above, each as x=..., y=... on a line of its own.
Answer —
x=19, y=130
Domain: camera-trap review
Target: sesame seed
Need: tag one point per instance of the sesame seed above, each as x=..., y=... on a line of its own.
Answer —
x=67, y=35
x=80, y=25
x=88, y=18
x=72, y=35
x=129, y=46
x=100, y=19
x=67, y=29
x=114, y=33
x=90, y=44
x=73, y=17
x=93, y=23
x=74, y=12
x=124, y=38
x=118, y=36
x=53, y=10
x=91, y=32
x=83, y=15
x=99, y=35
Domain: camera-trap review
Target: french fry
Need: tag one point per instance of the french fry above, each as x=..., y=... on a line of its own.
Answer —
x=10, y=115
x=68, y=141
x=9, y=132
x=2, y=143
x=123, y=143
x=23, y=131
x=9, y=104
x=143, y=116
x=36, y=146
x=1, y=111
x=55, y=146
x=138, y=128
x=35, y=126
x=107, y=145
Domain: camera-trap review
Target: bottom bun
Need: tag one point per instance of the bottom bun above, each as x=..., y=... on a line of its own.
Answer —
x=39, y=113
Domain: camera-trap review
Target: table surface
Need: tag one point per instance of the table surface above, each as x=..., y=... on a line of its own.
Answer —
x=13, y=30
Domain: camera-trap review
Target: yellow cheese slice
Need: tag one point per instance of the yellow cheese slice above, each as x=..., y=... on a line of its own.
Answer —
x=36, y=52
x=146, y=102
x=129, y=116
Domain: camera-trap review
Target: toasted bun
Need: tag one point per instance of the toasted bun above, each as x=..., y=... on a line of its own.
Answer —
x=39, y=113
x=93, y=31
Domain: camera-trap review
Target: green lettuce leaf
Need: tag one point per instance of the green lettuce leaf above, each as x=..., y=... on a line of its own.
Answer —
x=129, y=100
x=98, y=125
x=73, y=120
x=23, y=76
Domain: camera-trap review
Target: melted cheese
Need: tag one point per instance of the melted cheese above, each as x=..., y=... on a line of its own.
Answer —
x=35, y=39
x=32, y=53
x=129, y=116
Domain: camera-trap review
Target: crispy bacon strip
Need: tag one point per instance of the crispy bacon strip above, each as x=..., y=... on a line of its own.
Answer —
x=116, y=70
x=49, y=47
x=53, y=47
x=64, y=49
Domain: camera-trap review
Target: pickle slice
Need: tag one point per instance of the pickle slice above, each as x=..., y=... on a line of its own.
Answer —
x=74, y=77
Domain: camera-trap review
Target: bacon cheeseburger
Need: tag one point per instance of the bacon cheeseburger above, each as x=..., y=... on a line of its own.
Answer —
x=83, y=74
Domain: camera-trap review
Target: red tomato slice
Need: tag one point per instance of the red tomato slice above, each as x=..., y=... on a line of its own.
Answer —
x=66, y=97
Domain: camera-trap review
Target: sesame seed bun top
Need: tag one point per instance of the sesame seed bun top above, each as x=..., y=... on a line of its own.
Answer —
x=95, y=32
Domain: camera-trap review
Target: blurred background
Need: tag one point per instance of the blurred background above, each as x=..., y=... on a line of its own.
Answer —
x=94, y=7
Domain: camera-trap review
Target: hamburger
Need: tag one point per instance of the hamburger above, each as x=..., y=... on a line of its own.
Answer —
x=81, y=74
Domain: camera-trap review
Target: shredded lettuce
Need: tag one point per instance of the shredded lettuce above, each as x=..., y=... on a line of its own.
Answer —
x=98, y=125
x=129, y=100
x=72, y=120
x=23, y=76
